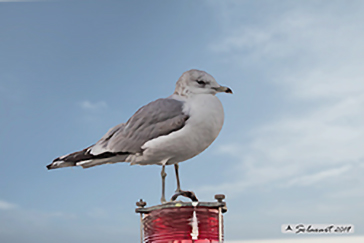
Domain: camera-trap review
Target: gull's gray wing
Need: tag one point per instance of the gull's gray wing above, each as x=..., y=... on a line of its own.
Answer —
x=158, y=118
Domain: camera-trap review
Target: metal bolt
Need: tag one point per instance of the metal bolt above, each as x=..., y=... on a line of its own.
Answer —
x=141, y=203
x=219, y=197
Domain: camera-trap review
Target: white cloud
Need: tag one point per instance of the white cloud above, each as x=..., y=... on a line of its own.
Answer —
x=310, y=179
x=313, y=54
x=6, y=205
x=67, y=226
x=93, y=106
x=322, y=145
x=319, y=145
x=298, y=31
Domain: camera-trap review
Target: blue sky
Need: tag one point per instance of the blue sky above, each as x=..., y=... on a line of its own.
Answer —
x=290, y=151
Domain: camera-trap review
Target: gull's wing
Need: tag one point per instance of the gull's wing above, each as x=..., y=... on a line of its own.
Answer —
x=158, y=118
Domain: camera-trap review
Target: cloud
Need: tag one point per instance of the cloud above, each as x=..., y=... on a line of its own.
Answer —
x=323, y=144
x=93, y=106
x=292, y=31
x=313, y=54
x=42, y=225
x=36, y=217
x=314, y=178
x=6, y=205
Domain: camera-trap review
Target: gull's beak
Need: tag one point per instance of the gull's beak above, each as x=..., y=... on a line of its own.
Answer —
x=224, y=89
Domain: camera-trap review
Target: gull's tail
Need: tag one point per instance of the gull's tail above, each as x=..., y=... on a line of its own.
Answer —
x=85, y=159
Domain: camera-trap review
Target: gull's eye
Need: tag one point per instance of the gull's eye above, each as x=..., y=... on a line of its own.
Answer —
x=200, y=82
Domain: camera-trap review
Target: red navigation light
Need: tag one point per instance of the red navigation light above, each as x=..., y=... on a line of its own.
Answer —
x=183, y=222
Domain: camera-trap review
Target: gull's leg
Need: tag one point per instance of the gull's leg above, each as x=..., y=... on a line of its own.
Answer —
x=163, y=174
x=177, y=178
x=179, y=192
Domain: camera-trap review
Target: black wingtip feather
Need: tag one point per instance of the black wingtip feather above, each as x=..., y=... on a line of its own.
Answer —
x=73, y=158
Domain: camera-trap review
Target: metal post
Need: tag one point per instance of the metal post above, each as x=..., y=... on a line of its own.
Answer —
x=141, y=228
x=220, y=225
x=219, y=198
x=141, y=204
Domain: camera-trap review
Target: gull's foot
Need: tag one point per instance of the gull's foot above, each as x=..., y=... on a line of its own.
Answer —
x=189, y=194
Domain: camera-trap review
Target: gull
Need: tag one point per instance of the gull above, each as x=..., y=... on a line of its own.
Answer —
x=164, y=132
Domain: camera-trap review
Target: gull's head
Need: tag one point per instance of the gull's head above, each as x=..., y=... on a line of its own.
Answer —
x=198, y=82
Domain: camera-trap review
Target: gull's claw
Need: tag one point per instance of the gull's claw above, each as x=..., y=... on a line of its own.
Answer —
x=189, y=194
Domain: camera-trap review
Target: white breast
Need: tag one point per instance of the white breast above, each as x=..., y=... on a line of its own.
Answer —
x=206, y=118
x=201, y=129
